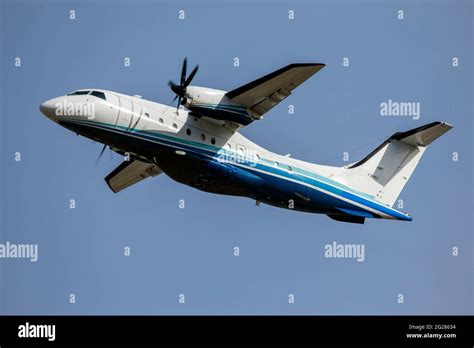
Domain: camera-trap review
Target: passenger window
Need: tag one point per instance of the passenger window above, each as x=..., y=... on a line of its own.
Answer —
x=276, y=164
x=146, y=115
x=290, y=169
x=229, y=146
x=175, y=126
x=213, y=141
x=160, y=120
x=188, y=131
x=203, y=137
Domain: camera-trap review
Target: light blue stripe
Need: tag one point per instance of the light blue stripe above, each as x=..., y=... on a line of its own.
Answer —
x=223, y=106
x=339, y=190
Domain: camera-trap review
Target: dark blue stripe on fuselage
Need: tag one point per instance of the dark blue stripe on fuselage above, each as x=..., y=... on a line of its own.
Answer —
x=315, y=195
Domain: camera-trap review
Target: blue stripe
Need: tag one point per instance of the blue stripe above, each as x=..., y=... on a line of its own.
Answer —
x=209, y=151
x=222, y=106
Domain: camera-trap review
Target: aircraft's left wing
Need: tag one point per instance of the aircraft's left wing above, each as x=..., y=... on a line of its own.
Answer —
x=129, y=173
x=261, y=95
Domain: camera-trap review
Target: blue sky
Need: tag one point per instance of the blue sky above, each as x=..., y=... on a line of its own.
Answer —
x=190, y=251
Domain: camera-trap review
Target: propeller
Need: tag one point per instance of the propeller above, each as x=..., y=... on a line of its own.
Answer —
x=100, y=155
x=180, y=90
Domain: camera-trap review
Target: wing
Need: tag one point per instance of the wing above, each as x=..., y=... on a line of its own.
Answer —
x=129, y=173
x=261, y=95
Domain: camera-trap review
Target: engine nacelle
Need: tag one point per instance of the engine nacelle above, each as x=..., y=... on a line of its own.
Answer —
x=215, y=104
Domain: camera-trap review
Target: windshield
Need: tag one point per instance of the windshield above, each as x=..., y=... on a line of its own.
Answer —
x=97, y=94
x=79, y=93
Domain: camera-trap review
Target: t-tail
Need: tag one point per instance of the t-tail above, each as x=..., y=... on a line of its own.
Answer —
x=384, y=172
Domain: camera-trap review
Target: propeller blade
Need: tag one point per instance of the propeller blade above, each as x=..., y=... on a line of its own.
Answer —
x=183, y=71
x=101, y=153
x=191, y=76
x=175, y=97
x=177, y=106
x=180, y=90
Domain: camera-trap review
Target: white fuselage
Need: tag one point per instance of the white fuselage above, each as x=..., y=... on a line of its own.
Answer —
x=136, y=113
x=270, y=177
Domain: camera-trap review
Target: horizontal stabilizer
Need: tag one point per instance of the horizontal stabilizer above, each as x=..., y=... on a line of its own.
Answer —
x=424, y=135
x=421, y=136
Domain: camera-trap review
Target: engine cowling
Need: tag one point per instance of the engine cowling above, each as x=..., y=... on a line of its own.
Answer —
x=215, y=104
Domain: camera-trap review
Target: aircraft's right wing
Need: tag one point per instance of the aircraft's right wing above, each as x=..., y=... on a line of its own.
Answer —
x=129, y=173
x=261, y=95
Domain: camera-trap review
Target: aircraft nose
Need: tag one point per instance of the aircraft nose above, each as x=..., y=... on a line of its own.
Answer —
x=48, y=109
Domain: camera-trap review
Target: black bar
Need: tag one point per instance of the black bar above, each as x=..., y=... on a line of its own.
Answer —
x=136, y=330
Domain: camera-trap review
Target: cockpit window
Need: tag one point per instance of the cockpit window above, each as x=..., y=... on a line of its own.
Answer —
x=79, y=93
x=98, y=94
